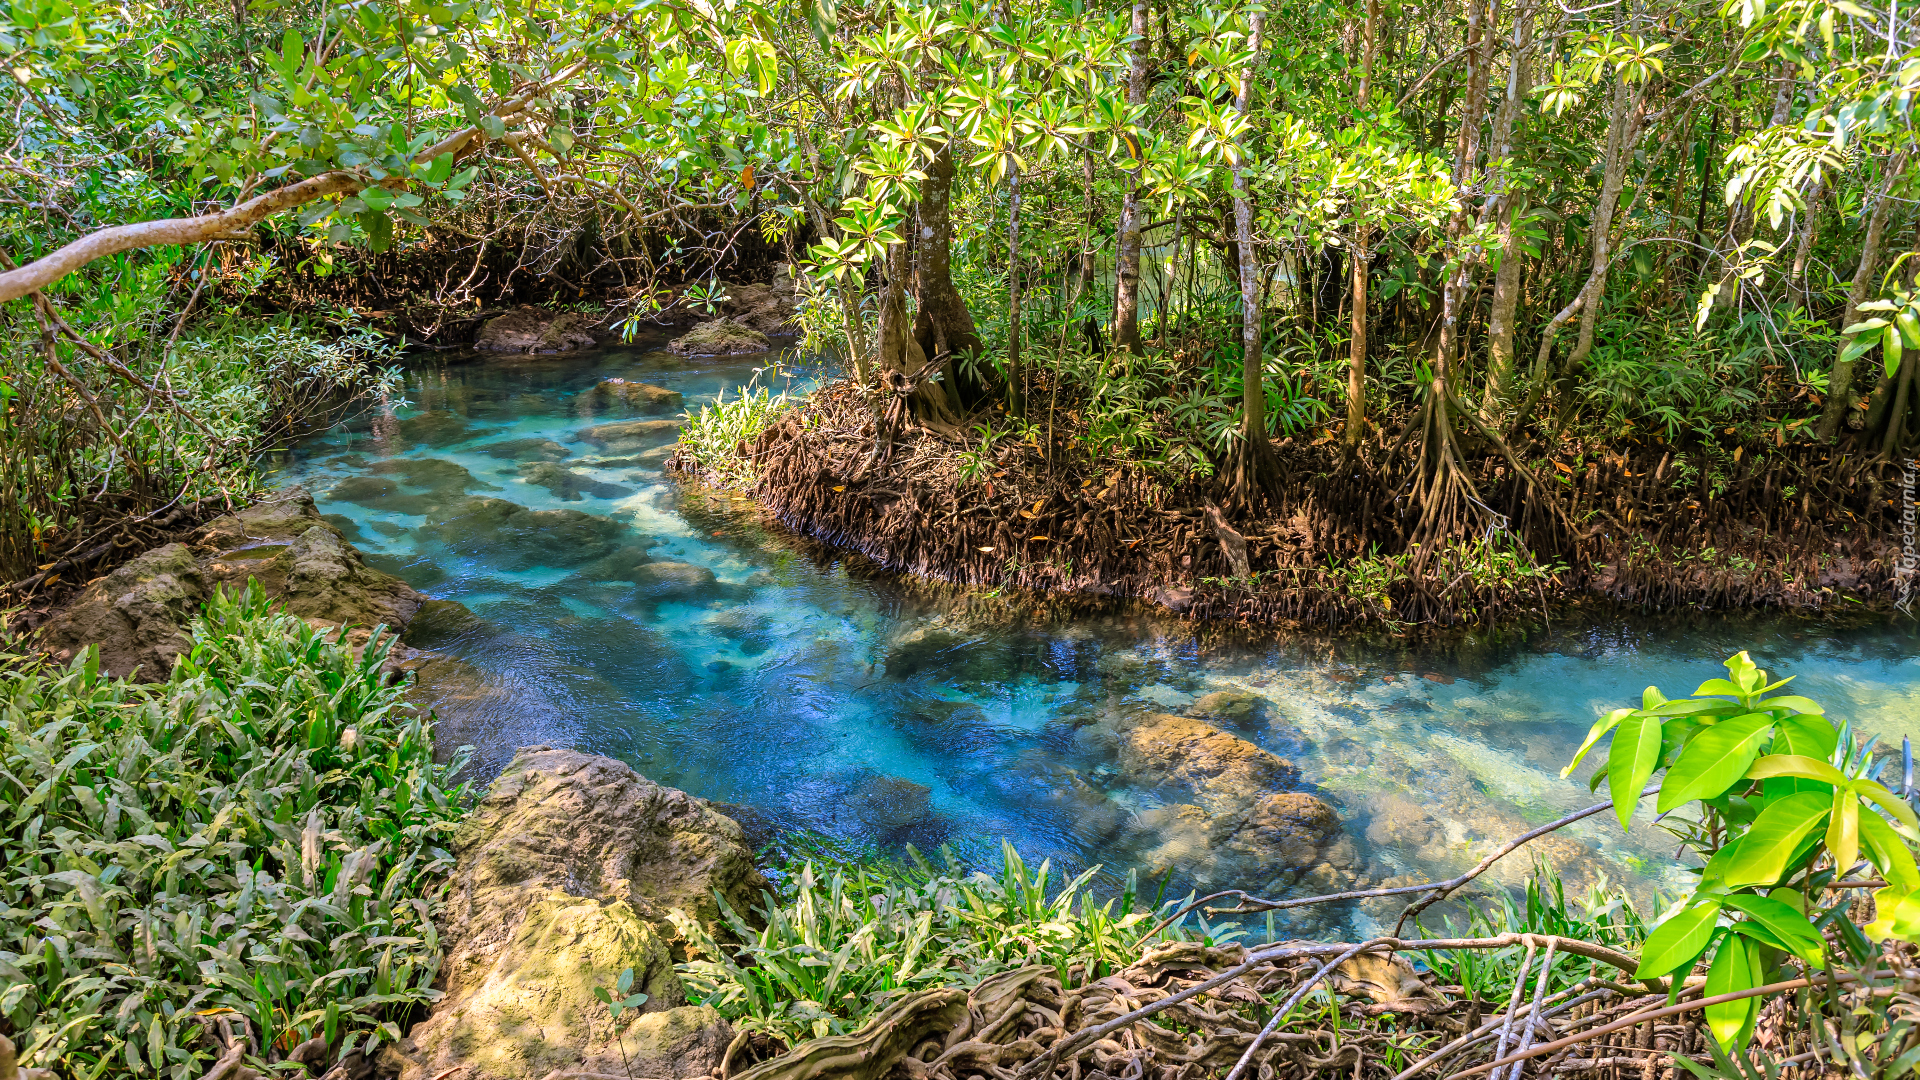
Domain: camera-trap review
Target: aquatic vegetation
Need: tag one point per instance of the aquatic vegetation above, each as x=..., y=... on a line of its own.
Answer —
x=255, y=844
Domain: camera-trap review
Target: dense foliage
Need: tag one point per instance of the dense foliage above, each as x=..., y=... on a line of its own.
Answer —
x=257, y=841
x=1281, y=219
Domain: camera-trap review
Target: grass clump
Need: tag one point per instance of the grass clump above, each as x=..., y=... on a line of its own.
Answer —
x=839, y=943
x=258, y=840
x=715, y=440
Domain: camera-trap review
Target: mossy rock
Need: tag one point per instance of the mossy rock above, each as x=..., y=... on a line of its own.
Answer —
x=721, y=337
x=636, y=395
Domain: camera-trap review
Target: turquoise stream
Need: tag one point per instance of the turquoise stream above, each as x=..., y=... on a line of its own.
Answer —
x=839, y=701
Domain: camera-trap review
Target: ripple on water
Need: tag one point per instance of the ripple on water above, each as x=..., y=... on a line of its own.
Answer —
x=720, y=658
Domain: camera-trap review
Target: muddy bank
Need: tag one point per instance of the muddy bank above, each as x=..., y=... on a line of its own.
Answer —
x=1652, y=525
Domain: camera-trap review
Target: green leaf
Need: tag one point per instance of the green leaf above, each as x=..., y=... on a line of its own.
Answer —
x=1794, y=932
x=440, y=169
x=376, y=198
x=1843, y=829
x=1795, y=765
x=1715, y=760
x=1889, y=852
x=1594, y=734
x=1735, y=967
x=1798, y=704
x=1718, y=687
x=1773, y=837
x=1678, y=942
x=1902, y=813
x=379, y=229
x=1631, y=759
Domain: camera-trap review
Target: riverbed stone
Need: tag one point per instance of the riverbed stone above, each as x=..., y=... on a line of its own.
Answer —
x=674, y=581
x=437, y=475
x=636, y=395
x=564, y=875
x=567, y=484
x=526, y=450
x=515, y=537
x=1219, y=768
x=720, y=337
x=529, y=329
x=437, y=427
x=1232, y=706
x=629, y=436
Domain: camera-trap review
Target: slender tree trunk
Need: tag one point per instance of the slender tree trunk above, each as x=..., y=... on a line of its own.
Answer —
x=1016, y=388
x=1840, y=382
x=1357, y=351
x=1253, y=465
x=1797, y=277
x=1502, y=204
x=1466, y=151
x=1369, y=50
x=1126, y=299
x=1623, y=131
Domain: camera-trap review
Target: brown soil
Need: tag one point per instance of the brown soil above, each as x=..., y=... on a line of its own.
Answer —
x=1655, y=525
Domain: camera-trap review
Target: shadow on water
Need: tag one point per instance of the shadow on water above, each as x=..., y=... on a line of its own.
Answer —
x=601, y=606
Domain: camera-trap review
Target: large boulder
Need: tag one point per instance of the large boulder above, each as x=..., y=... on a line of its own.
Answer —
x=627, y=436
x=536, y=330
x=138, y=614
x=769, y=309
x=636, y=395
x=564, y=875
x=1234, y=816
x=720, y=337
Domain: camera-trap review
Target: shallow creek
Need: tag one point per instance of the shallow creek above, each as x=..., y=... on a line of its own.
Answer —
x=678, y=631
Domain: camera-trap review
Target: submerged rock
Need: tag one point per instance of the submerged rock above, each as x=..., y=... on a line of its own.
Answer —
x=536, y=330
x=1233, y=706
x=564, y=876
x=674, y=581
x=526, y=450
x=434, y=474
x=568, y=484
x=1243, y=826
x=626, y=436
x=637, y=395
x=720, y=337
x=436, y=428
x=513, y=537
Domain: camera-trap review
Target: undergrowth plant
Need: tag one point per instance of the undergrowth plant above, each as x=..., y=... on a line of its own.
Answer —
x=260, y=838
x=1781, y=805
x=840, y=944
x=712, y=440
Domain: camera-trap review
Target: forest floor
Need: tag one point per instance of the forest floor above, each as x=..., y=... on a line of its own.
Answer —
x=1651, y=524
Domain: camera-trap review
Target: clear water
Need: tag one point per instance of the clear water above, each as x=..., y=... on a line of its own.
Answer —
x=834, y=700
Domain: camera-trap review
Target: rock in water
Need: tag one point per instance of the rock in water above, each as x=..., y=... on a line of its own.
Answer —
x=628, y=435
x=564, y=876
x=567, y=484
x=721, y=337
x=536, y=330
x=1244, y=827
x=637, y=395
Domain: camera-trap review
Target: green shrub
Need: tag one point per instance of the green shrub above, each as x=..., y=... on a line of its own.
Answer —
x=260, y=836
x=834, y=952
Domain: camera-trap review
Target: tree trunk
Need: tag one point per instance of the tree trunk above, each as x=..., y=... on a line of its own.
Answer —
x=1797, y=277
x=1368, y=52
x=1016, y=388
x=943, y=326
x=1840, y=383
x=1252, y=467
x=1357, y=352
x=1623, y=131
x=1466, y=151
x=1502, y=205
x=1126, y=298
